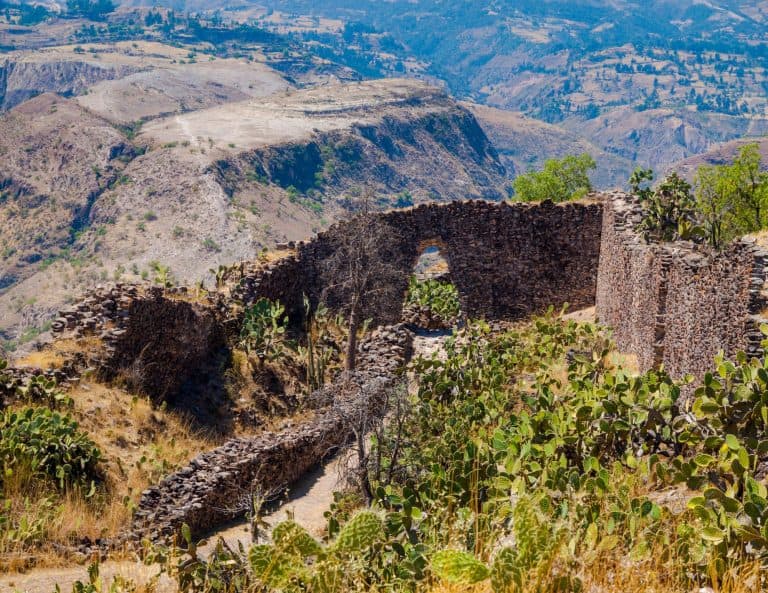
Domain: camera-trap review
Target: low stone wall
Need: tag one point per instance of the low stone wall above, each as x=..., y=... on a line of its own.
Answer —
x=215, y=486
x=677, y=304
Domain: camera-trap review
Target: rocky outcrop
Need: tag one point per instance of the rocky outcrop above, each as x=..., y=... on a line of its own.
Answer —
x=439, y=155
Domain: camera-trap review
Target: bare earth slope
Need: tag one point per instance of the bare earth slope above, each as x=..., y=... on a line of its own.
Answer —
x=56, y=159
x=722, y=154
x=659, y=137
x=195, y=189
x=129, y=81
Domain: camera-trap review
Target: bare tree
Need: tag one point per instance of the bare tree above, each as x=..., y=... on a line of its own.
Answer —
x=366, y=411
x=361, y=273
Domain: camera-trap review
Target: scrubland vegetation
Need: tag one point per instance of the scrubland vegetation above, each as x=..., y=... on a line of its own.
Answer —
x=532, y=460
x=74, y=463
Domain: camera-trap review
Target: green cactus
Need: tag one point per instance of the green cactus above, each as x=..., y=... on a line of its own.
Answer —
x=315, y=354
x=292, y=538
x=459, y=567
x=271, y=566
x=505, y=572
x=364, y=530
x=263, y=329
x=328, y=578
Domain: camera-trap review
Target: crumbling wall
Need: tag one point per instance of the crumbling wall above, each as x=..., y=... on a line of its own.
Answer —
x=677, y=304
x=164, y=343
x=506, y=260
x=216, y=486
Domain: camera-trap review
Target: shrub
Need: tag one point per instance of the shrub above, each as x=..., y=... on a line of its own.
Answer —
x=50, y=446
x=211, y=245
x=669, y=211
x=560, y=180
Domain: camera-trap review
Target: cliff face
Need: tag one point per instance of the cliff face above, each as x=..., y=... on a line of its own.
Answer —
x=84, y=203
x=437, y=155
x=22, y=79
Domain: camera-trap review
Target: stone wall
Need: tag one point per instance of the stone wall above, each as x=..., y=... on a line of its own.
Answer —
x=216, y=486
x=677, y=304
x=507, y=260
x=154, y=338
x=164, y=343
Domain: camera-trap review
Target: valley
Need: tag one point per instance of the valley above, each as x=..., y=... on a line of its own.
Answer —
x=147, y=163
x=351, y=296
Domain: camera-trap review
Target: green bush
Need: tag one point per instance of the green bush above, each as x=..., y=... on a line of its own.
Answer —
x=48, y=445
x=560, y=180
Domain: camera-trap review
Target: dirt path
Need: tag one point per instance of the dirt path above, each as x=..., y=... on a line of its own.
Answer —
x=307, y=501
x=44, y=580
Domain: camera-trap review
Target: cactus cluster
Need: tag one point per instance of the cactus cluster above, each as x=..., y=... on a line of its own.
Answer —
x=295, y=560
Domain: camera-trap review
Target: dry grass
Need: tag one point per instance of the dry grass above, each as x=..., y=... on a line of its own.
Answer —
x=613, y=574
x=54, y=355
x=139, y=445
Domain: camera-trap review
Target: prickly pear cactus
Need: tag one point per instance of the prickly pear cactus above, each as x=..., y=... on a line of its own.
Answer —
x=505, y=572
x=363, y=530
x=328, y=578
x=292, y=538
x=271, y=566
x=459, y=567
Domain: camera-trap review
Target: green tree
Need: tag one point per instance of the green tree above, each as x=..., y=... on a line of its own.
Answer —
x=737, y=192
x=560, y=180
x=92, y=9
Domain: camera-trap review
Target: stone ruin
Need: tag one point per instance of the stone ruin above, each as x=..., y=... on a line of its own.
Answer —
x=669, y=304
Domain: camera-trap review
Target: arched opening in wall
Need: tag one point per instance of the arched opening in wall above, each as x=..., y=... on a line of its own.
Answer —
x=432, y=301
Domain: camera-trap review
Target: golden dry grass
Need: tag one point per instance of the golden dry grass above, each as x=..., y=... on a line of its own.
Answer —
x=139, y=445
x=54, y=355
x=613, y=574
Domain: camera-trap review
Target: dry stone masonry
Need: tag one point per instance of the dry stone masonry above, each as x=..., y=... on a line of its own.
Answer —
x=677, y=304
x=671, y=304
x=506, y=260
x=218, y=485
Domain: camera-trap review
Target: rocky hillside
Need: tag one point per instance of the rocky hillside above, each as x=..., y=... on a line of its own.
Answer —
x=649, y=81
x=106, y=185
x=722, y=154
x=525, y=143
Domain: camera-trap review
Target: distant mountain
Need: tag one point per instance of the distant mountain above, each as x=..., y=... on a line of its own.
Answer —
x=691, y=72
x=525, y=144
x=722, y=154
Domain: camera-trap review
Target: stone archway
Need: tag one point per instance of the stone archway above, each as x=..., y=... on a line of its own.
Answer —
x=432, y=302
